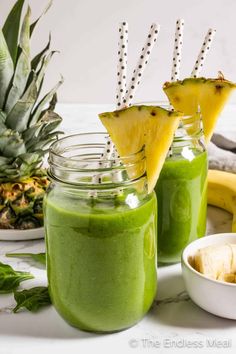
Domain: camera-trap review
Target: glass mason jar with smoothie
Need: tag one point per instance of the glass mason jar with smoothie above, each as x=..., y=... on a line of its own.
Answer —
x=100, y=235
x=181, y=191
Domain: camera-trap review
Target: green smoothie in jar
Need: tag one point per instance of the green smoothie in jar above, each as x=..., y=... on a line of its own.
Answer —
x=182, y=192
x=100, y=238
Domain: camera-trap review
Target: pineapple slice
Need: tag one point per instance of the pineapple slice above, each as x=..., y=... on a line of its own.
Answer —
x=210, y=95
x=153, y=127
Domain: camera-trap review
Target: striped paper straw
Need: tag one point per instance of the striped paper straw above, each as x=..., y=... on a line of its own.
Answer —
x=203, y=53
x=142, y=63
x=177, y=54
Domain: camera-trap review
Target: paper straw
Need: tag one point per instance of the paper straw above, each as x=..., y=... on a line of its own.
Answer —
x=177, y=54
x=121, y=81
x=203, y=53
x=122, y=64
x=141, y=65
x=109, y=150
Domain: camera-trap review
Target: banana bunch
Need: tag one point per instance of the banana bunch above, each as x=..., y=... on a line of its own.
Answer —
x=222, y=192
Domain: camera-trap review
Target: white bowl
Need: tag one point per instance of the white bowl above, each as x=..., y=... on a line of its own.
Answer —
x=21, y=235
x=214, y=296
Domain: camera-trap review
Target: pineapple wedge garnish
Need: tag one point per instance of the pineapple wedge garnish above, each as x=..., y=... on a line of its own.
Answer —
x=153, y=127
x=208, y=95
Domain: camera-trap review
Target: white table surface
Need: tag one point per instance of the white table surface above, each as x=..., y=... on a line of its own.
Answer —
x=174, y=324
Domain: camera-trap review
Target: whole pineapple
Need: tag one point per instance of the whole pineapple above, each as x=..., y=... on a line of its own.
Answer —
x=27, y=123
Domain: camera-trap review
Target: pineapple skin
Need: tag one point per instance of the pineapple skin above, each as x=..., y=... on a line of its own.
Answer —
x=28, y=121
x=21, y=203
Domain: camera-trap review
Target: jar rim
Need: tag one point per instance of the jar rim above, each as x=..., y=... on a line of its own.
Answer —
x=79, y=162
x=140, y=154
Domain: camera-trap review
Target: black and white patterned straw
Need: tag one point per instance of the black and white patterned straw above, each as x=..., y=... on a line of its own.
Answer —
x=110, y=152
x=203, y=53
x=121, y=81
x=142, y=63
x=177, y=54
x=122, y=64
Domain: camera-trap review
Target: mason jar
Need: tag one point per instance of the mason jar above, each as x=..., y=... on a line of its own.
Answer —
x=182, y=191
x=100, y=226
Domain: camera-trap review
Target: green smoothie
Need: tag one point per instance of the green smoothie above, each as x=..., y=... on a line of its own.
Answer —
x=182, y=202
x=101, y=259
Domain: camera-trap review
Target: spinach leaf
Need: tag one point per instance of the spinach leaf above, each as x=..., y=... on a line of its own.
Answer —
x=11, y=279
x=38, y=257
x=32, y=299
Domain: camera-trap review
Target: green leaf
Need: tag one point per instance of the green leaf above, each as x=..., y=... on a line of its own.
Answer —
x=51, y=121
x=2, y=116
x=11, y=279
x=33, y=25
x=35, y=62
x=6, y=69
x=53, y=102
x=41, y=105
x=48, y=122
x=3, y=127
x=11, y=28
x=23, y=65
x=28, y=163
x=32, y=299
x=31, y=133
x=18, y=117
x=42, y=70
x=11, y=144
x=38, y=257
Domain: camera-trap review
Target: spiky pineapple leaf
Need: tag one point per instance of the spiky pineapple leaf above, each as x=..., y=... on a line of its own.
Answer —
x=23, y=65
x=11, y=144
x=28, y=163
x=3, y=161
x=37, y=59
x=11, y=29
x=50, y=121
x=2, y=116
x=24, y=165
x=30, y=133
x=6, y=69
x=18, y=117
x=44, y=143
x=33, y=25
x=41, y=105
x=40, y=74
x=47, y=123
x=53, y=102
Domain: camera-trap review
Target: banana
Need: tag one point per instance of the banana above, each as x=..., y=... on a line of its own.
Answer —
x=217, y=262
x=222, y=192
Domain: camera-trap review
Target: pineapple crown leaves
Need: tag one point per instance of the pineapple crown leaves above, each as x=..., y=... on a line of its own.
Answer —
x=27, y=121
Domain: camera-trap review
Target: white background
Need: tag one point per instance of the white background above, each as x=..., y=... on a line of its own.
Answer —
x=85, y=33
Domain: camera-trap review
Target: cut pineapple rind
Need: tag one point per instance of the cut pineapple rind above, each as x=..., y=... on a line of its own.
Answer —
x=199, y=80
x=210, y=95
x=151, y=126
